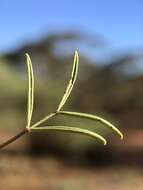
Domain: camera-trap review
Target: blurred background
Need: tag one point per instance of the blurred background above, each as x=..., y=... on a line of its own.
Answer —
x=109, y=38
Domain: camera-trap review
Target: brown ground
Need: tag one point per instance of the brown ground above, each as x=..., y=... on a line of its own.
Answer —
x=18, y=172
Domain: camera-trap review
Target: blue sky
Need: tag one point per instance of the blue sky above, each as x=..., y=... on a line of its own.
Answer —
x=120, y=22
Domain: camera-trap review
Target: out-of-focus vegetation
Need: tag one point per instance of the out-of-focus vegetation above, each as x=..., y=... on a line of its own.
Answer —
x=110, y=91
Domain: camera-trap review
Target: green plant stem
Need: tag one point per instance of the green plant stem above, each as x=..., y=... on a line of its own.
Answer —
x=43, y=120
x=14, y=138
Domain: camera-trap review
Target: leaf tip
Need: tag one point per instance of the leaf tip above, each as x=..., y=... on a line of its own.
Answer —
x=27, y=55
x=76, y=52
x=119, y=133
x=76, y=55
x=121, y=136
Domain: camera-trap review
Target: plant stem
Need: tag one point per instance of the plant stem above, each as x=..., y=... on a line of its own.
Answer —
x=43, y=120
x=26, y=130
x=14, y=138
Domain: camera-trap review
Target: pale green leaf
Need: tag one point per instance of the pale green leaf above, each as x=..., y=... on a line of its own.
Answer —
x=73, y=130
x=30, y=90
x=95, y=118
x=71, y=82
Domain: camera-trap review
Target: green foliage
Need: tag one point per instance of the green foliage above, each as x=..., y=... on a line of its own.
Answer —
x=37, y=126
x=71, y=82
x=93, y=117
x=30, y=91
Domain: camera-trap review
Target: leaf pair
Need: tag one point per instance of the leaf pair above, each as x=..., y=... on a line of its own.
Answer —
x=36, y=126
